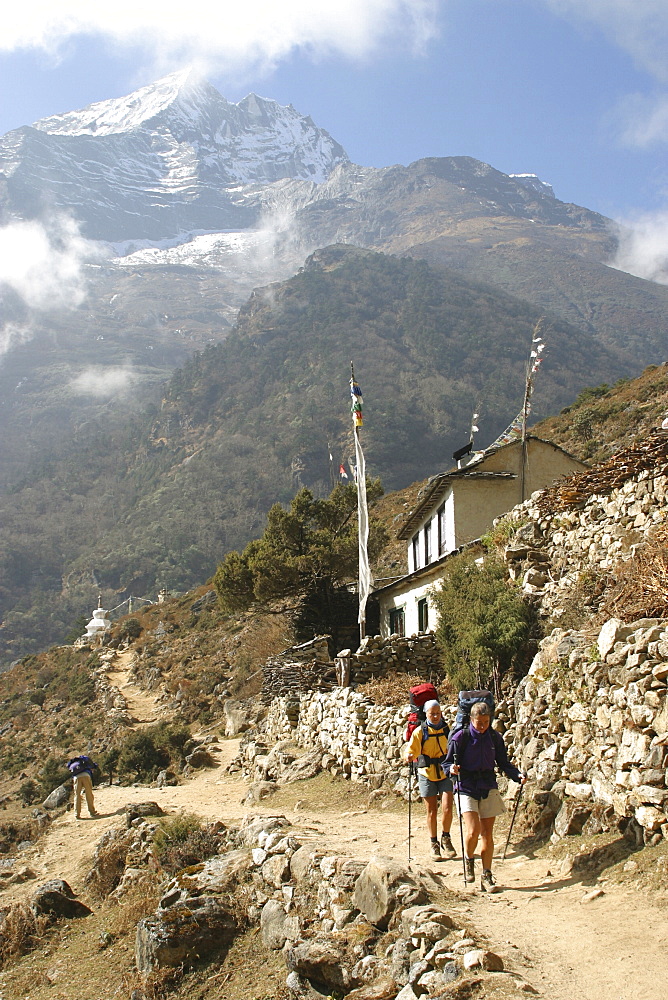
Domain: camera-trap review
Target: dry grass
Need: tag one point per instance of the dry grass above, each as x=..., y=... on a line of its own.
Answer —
x=393, y=689
x=20, y=932
x=139, y=902
x=640, y=589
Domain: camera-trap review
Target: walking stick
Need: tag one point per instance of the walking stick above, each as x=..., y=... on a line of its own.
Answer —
x=410, y=797
x=459, y=813
x=512, y=822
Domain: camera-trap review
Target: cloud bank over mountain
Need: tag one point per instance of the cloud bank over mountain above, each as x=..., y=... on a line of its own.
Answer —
x=224, y=37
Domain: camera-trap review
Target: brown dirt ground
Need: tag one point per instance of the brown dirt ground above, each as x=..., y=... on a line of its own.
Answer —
x=542, y=923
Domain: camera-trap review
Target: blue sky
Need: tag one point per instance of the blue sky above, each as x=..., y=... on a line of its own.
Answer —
x=573, y=90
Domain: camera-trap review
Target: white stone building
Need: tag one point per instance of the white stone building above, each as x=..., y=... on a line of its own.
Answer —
x=457, y=507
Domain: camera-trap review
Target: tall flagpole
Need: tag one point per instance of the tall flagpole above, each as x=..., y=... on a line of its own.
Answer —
x=533, y=364
x=365, y=580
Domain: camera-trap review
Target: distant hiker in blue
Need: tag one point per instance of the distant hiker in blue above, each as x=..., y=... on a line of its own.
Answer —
x=473, y=754
x=81, y=769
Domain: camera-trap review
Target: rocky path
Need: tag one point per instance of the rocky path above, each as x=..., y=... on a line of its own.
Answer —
x=544, y=923
x=141, y=704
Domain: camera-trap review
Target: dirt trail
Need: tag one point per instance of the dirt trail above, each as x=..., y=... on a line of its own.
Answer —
x=613, y=946
x=141, y=704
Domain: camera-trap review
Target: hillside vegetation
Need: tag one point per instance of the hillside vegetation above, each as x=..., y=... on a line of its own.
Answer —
x=246, y=423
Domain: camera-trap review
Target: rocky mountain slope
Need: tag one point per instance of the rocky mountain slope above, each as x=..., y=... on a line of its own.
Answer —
x=189, y=202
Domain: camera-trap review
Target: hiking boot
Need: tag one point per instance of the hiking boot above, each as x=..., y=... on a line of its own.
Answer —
x=487, y=881
x=447, y=847
x=470, y=869
x=435, y=850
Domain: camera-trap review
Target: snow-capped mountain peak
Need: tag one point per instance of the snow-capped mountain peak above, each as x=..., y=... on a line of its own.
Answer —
x=167, y=158
x=122, y=114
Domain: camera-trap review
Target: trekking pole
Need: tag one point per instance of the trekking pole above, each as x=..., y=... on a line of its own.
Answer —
x=410, y=797
x=512, y=822
x=461, y=825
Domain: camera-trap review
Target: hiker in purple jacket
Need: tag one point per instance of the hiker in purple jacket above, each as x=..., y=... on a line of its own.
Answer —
x=473, y=754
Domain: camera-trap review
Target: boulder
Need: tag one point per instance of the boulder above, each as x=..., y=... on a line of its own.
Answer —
x=236, y=718
x=135, y=810
x=255, y=829
x=300, y=988
x=382, y=887
x=481, y=959
x=259, y=790
x=183, y=933
x=58, y=797
x=571, y=818
x=319, y=961
x=304, y=767
x=201, y=758
x=56, y=899
x=383, y=988
x=276, y=926
x=613, y=631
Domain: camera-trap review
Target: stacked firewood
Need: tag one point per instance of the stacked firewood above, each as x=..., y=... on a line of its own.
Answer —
x=573, y=491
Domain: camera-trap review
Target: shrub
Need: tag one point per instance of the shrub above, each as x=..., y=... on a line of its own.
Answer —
x=140, y=757
x=52, y=774
x=183, y=841
x=21, y=931
x=28, y=792
x=145, y=753
x=130, y=629
x=483, y=622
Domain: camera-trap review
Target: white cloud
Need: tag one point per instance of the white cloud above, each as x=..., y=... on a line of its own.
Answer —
x=221, y=37
x=42, y=262
x=100, y=381
x=11, y=335
x=643, y=247
x=642, y=120
x=640, y=27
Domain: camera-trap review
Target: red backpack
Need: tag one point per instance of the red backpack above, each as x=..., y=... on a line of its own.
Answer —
x=420, y=694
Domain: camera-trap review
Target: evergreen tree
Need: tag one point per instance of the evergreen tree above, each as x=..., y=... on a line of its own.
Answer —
x=309, y=549
x=483, y=622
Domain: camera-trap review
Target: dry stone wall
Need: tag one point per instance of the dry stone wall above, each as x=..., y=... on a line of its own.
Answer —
x=590, y=723
x=551, y=551
x=357, y=738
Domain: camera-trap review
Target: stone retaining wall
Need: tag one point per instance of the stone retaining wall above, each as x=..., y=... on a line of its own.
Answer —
x=357, y=738
x=308, y=667
x=551, y=552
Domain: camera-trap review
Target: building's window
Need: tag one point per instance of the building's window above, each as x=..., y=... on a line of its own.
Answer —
x=441, y=529
x=397, y=621
x=416, y=551
x=423, y=615
x=427, y=543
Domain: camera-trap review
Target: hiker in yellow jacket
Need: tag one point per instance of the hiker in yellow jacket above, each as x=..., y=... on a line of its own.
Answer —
x=428, y=746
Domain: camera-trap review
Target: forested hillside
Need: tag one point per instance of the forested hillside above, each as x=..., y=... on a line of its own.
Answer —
x=245, y=423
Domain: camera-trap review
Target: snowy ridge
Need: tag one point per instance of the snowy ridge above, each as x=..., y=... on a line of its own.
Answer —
x=188, y=121
x=534, y=183
x=119, y=114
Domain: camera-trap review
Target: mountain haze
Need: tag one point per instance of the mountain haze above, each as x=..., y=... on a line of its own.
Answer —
x=188, y=202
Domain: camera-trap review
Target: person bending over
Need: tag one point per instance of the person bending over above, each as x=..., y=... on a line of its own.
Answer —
x=473, y=754
x=428, y=746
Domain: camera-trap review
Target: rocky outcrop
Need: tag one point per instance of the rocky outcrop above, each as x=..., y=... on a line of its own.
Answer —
x=55, y=899
x=367, y=931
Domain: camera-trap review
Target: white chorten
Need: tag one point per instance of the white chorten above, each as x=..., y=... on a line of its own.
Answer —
x=99, y=623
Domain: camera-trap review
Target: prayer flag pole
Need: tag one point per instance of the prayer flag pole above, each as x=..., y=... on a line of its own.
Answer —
x=533, y=364
x=365, y=581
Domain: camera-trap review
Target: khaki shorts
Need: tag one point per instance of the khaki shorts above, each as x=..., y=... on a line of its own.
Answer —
x=493, y=805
